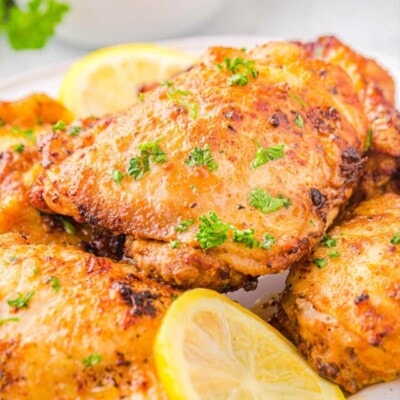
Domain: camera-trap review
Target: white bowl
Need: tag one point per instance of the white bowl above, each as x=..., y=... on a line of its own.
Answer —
x=94, y=23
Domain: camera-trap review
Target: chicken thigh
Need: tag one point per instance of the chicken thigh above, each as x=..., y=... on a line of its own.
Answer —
x=231, y=170
x=342, y=306
x=75, y=326
x=22, y=124
x=376, y=91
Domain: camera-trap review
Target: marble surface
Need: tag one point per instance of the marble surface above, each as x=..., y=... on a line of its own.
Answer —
x=370, y=26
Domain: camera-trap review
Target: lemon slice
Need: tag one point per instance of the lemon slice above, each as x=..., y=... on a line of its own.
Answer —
x=209, y=347
x=107, y=80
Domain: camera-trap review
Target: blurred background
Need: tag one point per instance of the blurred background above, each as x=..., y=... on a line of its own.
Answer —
x=370, y=26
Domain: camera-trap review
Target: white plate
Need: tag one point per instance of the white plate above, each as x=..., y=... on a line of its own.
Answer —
x=48, y=81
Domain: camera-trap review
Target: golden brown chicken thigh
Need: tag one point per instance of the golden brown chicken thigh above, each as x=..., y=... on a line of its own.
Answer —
x=342, y=307
x=229, y=171
x=74, y=326
x=376, y=91
x=23, y=122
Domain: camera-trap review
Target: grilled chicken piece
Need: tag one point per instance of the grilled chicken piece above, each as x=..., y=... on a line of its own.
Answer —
x=342, y=307
x=75, y=326
x=376, y=91
x=188, y=175
x=22, y=122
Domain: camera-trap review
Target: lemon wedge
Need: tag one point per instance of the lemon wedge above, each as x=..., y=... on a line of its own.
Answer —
x=209, y=347
x=107, y=80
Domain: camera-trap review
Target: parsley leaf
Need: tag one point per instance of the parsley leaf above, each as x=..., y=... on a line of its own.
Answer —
x=395, y=239
x=268, y=241
x=28, y=133
x=320, y=262
x=117, y=176
x=241, y=70
x=141, y=97
x=212, y=231
x=368, y=142
x=91, y=360
x=55, y=283
x=176, y=96
x=297, y=98
x=264, y=202
x=334, y=254
x=174, y=244
x=246, y=237
x=21, y=301
x=67, y=225
x=328, y=241
x=201, y=156
x=19, y=148
x=183, y=225
x=74, y=130
x=31, y=28
x=299, y=121
x=59, y=126
x=149, y=151
x=10, y=319
x=265, y=154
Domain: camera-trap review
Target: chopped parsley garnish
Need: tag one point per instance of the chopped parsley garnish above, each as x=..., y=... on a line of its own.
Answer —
x=149, y=151
x=183, y=225
x=19, y=148
x=55, y=283
x=141, y=97
x=91, y=360
x=265, y=154
x=28, y=133
x=117, y=176
x=21, y=301
x=166, y=83
x=320, y=262
x=174, y=244
x=11, y=319
x=268, y=241
x=201, y=156
x=328, y=241
x=238, y=80
x=67, y=225
x=59, y=126
x=176, y=96
x=74, y=130
x=299, y=121
x=212, y=231
x=246, y=237
x=334, y=254
x=395, y=239
x=241, y=71
x=2, y=123
x=297, y=98
x=266, y=203
x=194, y=188
x=368, y=142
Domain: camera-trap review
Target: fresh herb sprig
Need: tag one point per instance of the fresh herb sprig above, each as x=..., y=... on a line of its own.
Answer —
x=265, y=154
x=202, y=156
x=30, y=27
x=266, y=203
x=241, y=71
x=149, y=151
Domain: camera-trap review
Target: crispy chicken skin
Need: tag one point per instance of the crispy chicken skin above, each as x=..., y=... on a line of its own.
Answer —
x=89, y=324
x=308, y=106
x=22, y=124
x=376, y=91
x=344, y=316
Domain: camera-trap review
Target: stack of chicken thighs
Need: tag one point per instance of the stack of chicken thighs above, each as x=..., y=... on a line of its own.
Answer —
x=247, y=164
